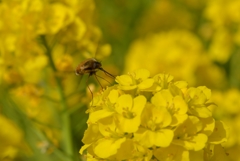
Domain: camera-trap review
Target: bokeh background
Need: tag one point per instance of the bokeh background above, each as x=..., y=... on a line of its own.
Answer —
x=42, y=101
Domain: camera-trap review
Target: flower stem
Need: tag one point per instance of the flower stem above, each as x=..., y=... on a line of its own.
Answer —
x=65, y=119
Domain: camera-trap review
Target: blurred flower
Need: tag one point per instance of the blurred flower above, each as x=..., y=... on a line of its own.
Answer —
x=62, y=23
x=160, y=16
x=221, y=46
x=223, y=17
x=11, y=139
x=176, y=52
x=39, y=41
x=228, y=102
x=171, y=117
x=229, y=111
x=139, y=79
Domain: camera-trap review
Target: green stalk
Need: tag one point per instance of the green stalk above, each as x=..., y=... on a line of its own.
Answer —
x=13, y=112
x=66, y=123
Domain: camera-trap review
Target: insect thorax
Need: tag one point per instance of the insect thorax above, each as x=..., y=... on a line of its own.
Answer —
x=90, y=66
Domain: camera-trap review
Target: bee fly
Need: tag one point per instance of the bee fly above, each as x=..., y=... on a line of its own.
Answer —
x=91, y=66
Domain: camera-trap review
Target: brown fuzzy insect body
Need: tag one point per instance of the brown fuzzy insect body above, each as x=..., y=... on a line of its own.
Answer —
x=90, y=66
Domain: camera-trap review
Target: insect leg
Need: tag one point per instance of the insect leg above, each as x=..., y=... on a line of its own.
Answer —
x=79, y=82
x=108, y=74
x=98, y=80
x=89, y=88
x=103, y=78
x=78, y=87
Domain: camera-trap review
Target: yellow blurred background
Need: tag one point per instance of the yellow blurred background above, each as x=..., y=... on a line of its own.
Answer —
x=43, y=103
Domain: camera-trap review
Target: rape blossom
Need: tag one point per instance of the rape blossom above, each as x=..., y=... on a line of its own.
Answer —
x=165, y=120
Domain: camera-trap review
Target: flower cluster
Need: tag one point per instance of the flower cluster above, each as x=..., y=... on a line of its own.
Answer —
x=179, y=52
x=39, y=39
x=153, y=118
x=31, y=28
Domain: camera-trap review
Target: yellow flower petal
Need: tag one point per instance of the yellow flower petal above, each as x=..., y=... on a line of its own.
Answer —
x=206, y=91
x=202, y=111
x=219, y=134
x=126, y=150
x=138, y=104
x=83, y=148
x=180, y=106
x=217, y=153
x=197, y=96
x=59, y=17
x=196, y=142
x=129, y=125
x=124, y=80
x=124, y=103
x=148, y=138
x=100, y=114
x=107, y=147
x=91, y=134
x=178, y=119
x=146, y=84
x=171, y=153
x=162, y=98
x=129, y=121
x=208, y=125
x=161, y=116
x=113, y=96
x=141, y=74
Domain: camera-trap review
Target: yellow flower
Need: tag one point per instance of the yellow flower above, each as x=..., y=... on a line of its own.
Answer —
x=176, y=52
x=198, y=101
x=39, y=39
x=223, y=16
x=163, y=80
x=24, y=23
x=216, y=152
x=189, y=136
x=228, y=101
x=221, y=47
x=172, y=152
x=11, y=138
x=32, y=68
x=175, y=105
x=104, y=135
x=155, y=127
x=129, y=112
x=168, y=121
x=138, y=79
x=219, y=134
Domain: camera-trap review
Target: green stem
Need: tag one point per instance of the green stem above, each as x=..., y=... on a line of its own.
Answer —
x=66, y=123
x=14, y=113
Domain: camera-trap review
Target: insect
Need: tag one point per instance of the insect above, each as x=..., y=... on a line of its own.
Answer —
x=91, y=66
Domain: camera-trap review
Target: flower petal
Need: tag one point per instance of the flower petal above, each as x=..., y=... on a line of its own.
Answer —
x=196, y=142
x=171, y=153
x=141, y=74
x=219, y=134
x=149, y=138
x=107, y=147
x=113, y=96
x=146, y=84
x=124, y=80
x=124, y=103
